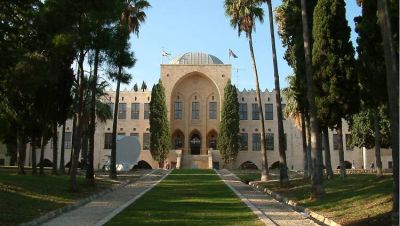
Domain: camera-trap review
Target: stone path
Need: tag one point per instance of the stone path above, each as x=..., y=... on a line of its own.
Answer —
x=270, y=211
x=99, y=211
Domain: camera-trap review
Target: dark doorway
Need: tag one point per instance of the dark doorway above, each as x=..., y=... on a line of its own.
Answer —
x=195, y=144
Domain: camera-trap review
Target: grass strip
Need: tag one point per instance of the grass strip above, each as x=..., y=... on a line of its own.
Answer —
x=188, y=197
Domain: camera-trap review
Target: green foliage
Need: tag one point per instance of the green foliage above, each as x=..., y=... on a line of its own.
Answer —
x=243, y=14
x=159, y=126
x=228, y=138
x=135, y=87
x=370, y=63
x=290, y=30
x=144, y=86
x=333, y=62
x=361, y=128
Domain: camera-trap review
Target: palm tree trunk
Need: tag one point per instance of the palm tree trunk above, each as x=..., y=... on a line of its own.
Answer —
x=308, y=134
x=85, y=145
x=13, y=149
x=34, y=161
x=74, y=122
x=283, y=178
x=264, y=162
x=55, y=149
x=377, y=133
x=92, y=120
x=113, y=167
x=392, y=80
x=317, y=187
x=77, y=136
x=304, y=139
x=21, y=153
x=328, y=164
x=41, y=167
x=62, y=151
x=341, y=151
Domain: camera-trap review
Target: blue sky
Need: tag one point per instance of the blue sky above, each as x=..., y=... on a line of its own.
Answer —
x=180, y=26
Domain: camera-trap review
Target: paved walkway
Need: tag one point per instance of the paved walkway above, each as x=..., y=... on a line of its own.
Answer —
x=99, y=211
x=270, y=211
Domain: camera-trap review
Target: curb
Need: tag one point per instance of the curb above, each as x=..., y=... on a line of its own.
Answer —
x=55, y=213
x=294, y=205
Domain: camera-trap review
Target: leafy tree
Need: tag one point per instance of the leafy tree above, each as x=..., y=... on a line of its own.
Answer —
x=120, y=57
x=159, y=128
x=317, y=187
x=228, y=138
x=333, y=63
x=289, y=20
x=144, y=86
x=243, y=16
x=135, y=87
x=371, y=70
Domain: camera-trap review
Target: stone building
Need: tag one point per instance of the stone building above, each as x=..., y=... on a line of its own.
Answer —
x=194, y=83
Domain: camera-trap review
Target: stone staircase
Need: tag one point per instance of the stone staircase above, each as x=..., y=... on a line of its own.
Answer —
x=195, y=161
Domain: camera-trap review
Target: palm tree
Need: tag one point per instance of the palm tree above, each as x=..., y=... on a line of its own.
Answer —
x=243, y=15
x=392, y=73
x=133, y=15
x=317, y=187
x=283, y=178
x=119, y=57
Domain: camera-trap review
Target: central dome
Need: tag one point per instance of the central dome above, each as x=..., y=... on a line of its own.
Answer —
x=196, y=58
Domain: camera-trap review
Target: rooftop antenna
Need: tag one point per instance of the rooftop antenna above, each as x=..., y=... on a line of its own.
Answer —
x=237, y=73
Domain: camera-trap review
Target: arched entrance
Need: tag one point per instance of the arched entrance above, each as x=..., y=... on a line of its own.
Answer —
x=178, y=139
x=212, y=140
x=195, y=143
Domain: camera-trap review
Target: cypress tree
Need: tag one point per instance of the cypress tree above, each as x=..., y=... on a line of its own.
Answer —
x=159, y=128
x=228, y=138
x=333, y=64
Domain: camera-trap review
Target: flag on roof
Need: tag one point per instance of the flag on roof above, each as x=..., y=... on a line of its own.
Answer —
x=232, y=54
x=163, y=53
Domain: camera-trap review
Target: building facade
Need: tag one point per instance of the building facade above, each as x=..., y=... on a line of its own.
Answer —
x=194, y=85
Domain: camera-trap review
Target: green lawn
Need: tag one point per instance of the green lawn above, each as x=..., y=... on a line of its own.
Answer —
x=356, y=200
x=188, y=197
x=25, y=197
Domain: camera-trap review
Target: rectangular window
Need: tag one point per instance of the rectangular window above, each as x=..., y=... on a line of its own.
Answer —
x=269, y=112
x=255, y=112
x=122, y=111
x=68, y=140
x=283, y=106
x=243, y=111
x=146, y=141
x=336, y=142
x=348, y=147
x=107, y=140
x=390, y=164
x=256, y=142
x=178, y=110
x=111, y=106
x=146, y=110
x=212, y=114
x=269, y=138
x=135, y=110
x=121, y=134
x=244, y=142
x=195, y=110
x=134, y=134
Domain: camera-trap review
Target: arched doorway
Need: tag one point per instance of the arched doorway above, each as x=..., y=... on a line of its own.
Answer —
x=212, y=140
x=178, y=139
x=195, y=143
